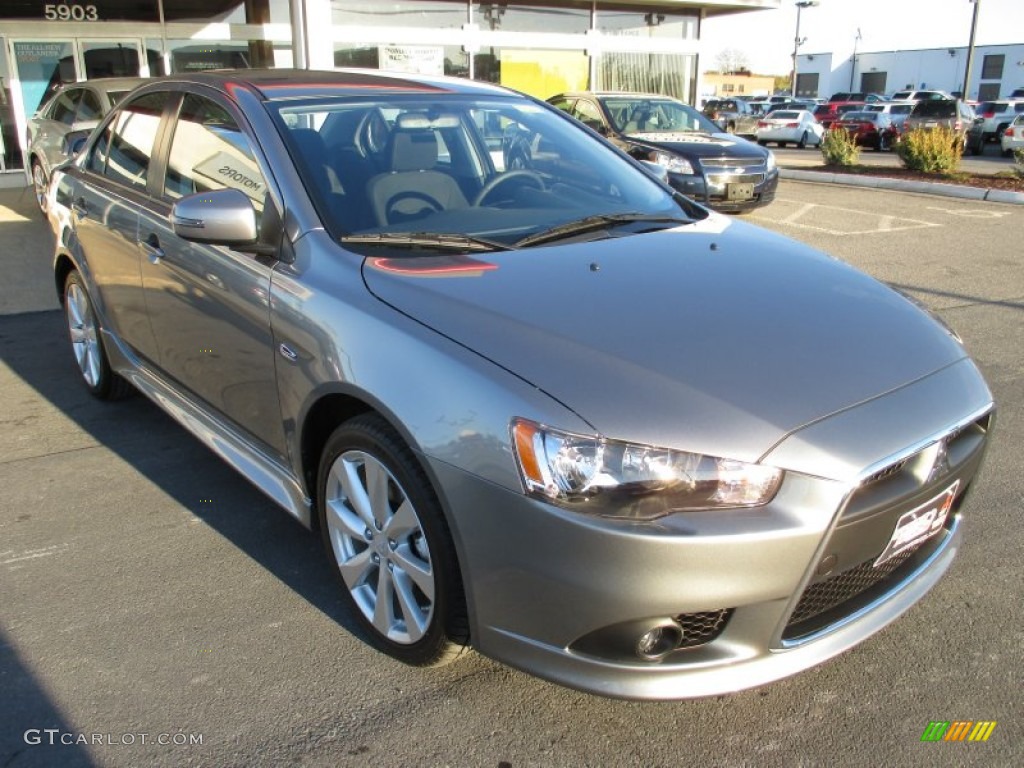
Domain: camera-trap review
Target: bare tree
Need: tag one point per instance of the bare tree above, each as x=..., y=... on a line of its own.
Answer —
x=731, y=60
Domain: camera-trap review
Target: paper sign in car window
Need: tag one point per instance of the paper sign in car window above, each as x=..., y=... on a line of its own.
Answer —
x=228, y=170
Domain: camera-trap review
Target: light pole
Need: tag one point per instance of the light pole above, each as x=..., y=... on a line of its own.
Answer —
x=797, y=42
x=970, y=51
x=853, y=59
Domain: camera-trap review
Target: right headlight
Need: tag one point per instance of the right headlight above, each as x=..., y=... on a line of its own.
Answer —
x=673, y=163
x=632, y=481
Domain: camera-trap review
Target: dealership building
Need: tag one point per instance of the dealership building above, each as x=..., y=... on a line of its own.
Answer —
x=538, y=46
x=996, y=70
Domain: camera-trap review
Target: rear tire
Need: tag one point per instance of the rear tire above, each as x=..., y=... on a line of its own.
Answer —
x=386, y=535
x=86, y=338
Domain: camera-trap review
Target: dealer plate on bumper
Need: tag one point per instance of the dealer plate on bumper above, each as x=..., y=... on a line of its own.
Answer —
x=919, y=524
x=736, y=192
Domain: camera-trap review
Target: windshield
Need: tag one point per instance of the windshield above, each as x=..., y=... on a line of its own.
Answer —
x=496, y=169
x=632, y=115
x=865, y=117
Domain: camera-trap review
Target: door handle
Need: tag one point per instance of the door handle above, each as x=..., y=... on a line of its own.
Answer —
x=79, y=207
x=151, y=245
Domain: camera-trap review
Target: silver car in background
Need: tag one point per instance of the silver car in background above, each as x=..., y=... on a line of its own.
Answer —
x=560, y=414
x=71, y=108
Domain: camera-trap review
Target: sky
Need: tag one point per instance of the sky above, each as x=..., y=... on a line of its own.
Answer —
x=766, y=37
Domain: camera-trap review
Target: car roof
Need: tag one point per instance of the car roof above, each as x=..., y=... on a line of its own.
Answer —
x=614, y=94
x=108, y=84
x=282, y=84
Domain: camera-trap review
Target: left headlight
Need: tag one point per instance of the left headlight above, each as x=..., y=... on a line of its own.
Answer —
x=636, y=482
x=673, y=163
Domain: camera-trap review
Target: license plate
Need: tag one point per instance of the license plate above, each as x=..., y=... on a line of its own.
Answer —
x=929, y=124
x=919, y=524
x=739, y=191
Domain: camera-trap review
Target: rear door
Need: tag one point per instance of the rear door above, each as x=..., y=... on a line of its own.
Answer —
x=209, y=305
x=107, y=198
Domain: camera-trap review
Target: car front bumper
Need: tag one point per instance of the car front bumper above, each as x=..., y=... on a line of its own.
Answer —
x=712, y=188
x=759, y=594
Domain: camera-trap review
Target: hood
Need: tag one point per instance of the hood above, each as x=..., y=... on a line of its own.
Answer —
x=715, y=337
x=699, y=145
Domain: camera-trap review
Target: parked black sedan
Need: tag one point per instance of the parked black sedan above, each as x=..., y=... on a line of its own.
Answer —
x=725, y=172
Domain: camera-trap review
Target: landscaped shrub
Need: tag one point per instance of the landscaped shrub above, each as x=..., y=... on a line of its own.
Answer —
x=935, y=151
x=1018, y=162
x=839, y=148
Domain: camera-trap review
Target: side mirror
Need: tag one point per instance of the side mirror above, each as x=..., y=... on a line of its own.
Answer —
x=657, y=170
x=73, y=143
x=220, y=217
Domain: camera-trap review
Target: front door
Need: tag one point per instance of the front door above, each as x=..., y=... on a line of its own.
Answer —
x=210, y=306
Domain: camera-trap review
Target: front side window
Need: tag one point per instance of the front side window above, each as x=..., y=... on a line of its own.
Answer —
x=209, y=151
x=588, y=114
x=133, y=137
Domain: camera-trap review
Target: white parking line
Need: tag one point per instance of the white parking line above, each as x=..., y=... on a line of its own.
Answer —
x=825, y=218
x=971, y=213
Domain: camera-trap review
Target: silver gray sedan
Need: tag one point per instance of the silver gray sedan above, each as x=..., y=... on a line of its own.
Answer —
x=72, y=108
x=556, y=412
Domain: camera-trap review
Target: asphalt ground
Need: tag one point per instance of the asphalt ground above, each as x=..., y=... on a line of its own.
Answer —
x=148, y=593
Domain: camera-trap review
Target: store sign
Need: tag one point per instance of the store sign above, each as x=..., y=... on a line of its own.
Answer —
x=229, y=170
x=70, y=12
x=416, y=59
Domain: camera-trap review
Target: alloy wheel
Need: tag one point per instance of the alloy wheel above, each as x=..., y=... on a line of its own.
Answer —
x=380, y=547
x=39, y=185
x=83, y=332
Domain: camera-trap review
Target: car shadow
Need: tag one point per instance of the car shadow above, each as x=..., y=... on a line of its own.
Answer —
x=34, y=346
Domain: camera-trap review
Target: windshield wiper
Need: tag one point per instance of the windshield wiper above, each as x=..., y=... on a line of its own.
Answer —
x=441, y=241
x=591, y=223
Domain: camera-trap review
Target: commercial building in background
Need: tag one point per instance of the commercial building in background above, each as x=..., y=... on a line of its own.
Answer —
x=718, y=85
x=995, y=72
x=542, y=47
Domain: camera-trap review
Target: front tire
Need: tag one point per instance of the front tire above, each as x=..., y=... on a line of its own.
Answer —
x=87, y=343
x=385, y=533
x=39, y=184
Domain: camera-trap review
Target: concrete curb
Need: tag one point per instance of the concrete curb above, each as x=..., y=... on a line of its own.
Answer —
x=921, y=187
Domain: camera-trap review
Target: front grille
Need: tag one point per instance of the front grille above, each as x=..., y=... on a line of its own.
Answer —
x=731, y=162
x=827, y=594
x=702, y=627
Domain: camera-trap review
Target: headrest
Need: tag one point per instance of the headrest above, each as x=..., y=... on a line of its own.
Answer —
x=413, y=150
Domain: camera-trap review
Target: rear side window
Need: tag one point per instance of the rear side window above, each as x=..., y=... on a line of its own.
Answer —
x=132, y=139
x=209, y=151
x=89, y=107
x=64, y=106
x=935, y=108
x=822, y=109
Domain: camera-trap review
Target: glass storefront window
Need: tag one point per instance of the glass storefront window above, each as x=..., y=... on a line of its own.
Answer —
x=420, y=59
x=113, y=59
x=668, y=74
x=42, y=67
x=637, y=21
x=568, y=18
x=10, y=152
x=429, y=14
x=540, y=73
x=199, y=56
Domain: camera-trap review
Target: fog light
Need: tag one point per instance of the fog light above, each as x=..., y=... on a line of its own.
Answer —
x=656, y=643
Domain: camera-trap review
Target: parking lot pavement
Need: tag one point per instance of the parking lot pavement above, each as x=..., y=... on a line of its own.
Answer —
x=148, y=591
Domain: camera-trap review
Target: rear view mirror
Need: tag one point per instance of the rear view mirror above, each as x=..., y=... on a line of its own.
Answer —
x=73, y=143
x=220, y=217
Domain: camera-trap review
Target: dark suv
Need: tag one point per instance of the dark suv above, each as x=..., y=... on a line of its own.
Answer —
x=954, y=114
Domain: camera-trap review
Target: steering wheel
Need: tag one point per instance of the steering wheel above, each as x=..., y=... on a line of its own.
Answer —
x=427, y=206
x=523, y=175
